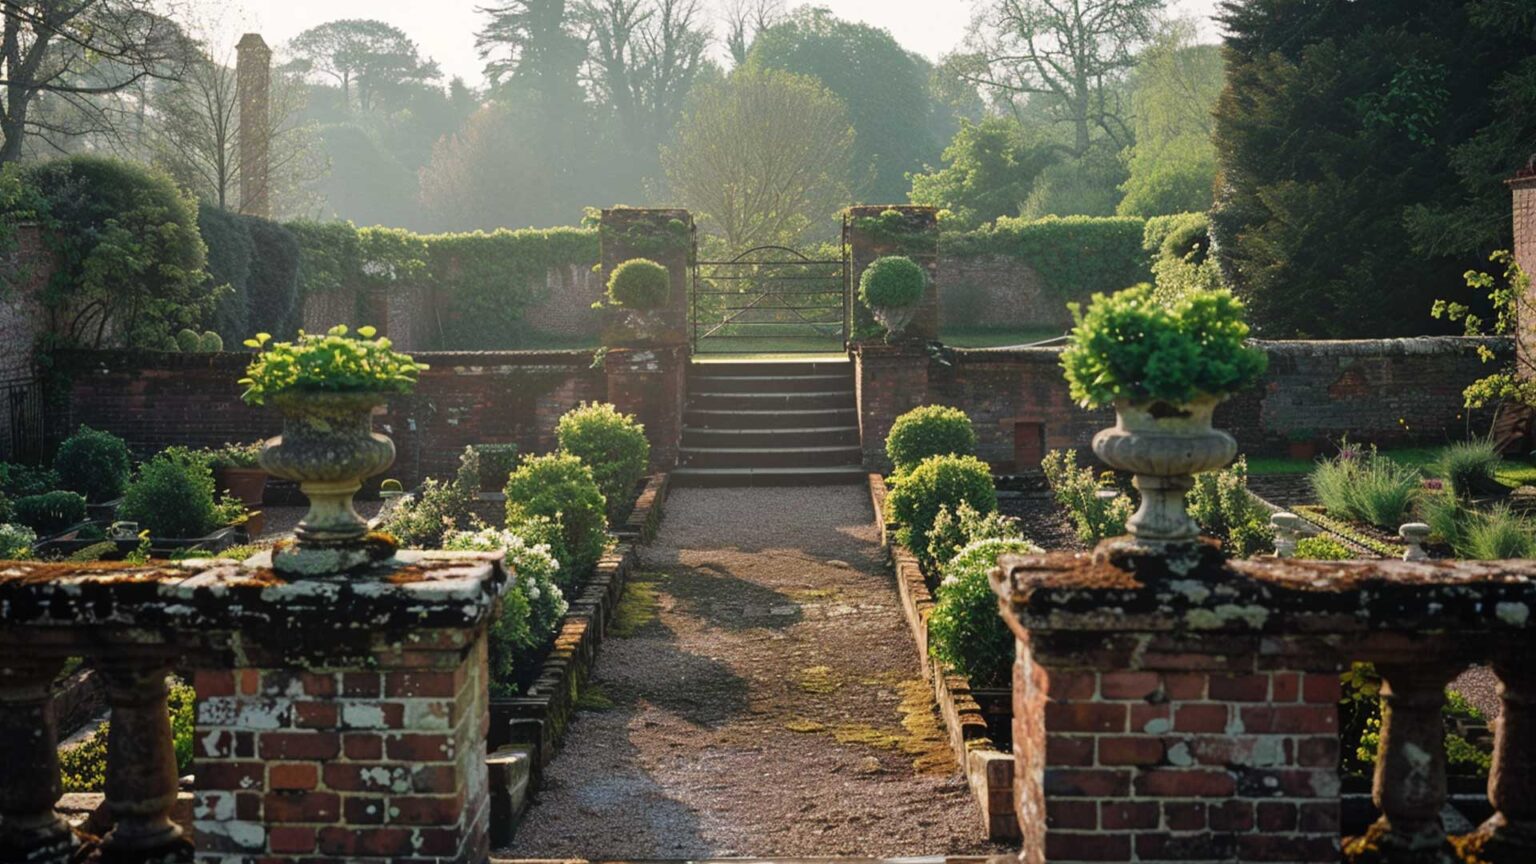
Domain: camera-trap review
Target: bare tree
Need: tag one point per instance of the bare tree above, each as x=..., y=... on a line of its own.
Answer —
x=1073, y=53
x=77, y=53
x=194, y=136
x=762, y=157
x=644, y=56
x=744, y=19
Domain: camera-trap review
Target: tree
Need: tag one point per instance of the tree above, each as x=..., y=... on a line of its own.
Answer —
x=1070, y=53
x=884, y=86
x=77, y=54
x=372, y=56
x=762, y=157
x=1173, y=162
x=645, y=56
x=1343, y=139
x=744, y=19
x=991, y=168
x=535, y=46
x=194, y=137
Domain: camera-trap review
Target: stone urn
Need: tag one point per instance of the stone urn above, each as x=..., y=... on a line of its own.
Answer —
x=1164, y=445
x=329, y=448
x=894, y=318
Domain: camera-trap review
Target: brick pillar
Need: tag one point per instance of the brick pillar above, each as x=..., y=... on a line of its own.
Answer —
x=875, y=231
x=1523, y=190
x=253, y=85
x=891, y=380
x=661, y=235
x=650, y=383
x=351, y=724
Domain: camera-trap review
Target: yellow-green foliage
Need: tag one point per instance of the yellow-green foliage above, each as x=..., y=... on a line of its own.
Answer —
x=1076, y=255
x=637, y=606
x=83, y=768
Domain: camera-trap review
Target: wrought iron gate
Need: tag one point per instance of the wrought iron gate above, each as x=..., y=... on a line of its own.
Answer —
x=24, y=428
x=770, y=299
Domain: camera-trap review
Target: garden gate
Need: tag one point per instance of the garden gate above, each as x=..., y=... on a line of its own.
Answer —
x=770, y=299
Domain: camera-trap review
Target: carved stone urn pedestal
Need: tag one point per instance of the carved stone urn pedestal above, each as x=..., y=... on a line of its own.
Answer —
x=329, y=448
x=1164, y=445
x=894, y=318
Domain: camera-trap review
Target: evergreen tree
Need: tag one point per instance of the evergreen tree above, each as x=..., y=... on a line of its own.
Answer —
x=1347, y=132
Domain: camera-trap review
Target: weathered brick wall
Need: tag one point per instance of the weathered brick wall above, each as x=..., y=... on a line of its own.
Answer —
x=996, y=291
x=154, y=400
x=1523, y=188
x=1388, y=391
x=1161, y=747
x=566, y=309
x=380, y=765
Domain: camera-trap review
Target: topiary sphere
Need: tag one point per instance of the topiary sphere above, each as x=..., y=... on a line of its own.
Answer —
x=892, y=282
x=188, y=340
x=210, y=342
x=639, y=283
x=929, y=430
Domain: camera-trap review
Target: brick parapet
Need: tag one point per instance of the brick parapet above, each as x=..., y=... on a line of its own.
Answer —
x=1183, y=707
x=335, y=720
x=913, y=234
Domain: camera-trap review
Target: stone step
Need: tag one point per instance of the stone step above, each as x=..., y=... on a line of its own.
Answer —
x=768, y=383
x=793, y=436
x=773, y=400
x=770, y=368
x=840, y=456
x=767, y=476
x=760, y=419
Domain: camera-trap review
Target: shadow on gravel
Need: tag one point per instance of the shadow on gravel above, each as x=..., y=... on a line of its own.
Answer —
x=638, y=814
x=712, y=593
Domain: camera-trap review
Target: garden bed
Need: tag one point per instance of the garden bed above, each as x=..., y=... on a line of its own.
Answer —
x=988, y=765
x=530, y=726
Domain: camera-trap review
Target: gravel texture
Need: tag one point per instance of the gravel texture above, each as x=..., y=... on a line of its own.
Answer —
x=761, y=697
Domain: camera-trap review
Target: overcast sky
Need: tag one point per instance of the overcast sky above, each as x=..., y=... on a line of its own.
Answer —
x=445, y=28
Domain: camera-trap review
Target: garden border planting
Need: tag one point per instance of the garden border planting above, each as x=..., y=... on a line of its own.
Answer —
x=988, y=770
x=527, y=730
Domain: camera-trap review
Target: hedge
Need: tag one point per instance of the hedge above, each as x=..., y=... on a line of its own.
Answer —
x=1075, y=255
x=259, y=260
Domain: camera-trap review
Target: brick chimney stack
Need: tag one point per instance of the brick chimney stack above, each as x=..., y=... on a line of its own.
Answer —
x=253, y=91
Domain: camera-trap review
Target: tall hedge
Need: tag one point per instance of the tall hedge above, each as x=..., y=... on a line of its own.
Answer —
x=274, y=285
x=229, y=263
x=1075, y=255
x=259, y=260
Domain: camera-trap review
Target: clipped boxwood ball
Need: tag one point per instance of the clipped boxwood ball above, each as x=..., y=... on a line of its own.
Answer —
x=210, y=341
x=639, y=283
x=892, y=282
x=188, y=340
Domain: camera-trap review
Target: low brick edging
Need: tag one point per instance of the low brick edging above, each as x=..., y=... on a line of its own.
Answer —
x=537, y=719
x=988, y=770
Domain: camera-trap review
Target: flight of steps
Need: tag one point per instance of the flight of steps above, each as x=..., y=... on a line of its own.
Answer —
x=770, y=423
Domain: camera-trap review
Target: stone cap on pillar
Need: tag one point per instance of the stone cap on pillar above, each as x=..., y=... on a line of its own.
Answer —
x=1121, y=589
x=221, y=606
x=252, y=42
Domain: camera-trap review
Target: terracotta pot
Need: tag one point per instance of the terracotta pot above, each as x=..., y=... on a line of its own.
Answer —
x=247, y=484
x=1164, y=446
x=329, y=447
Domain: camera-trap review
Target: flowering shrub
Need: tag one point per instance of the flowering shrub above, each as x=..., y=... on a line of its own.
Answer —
x=613, y=445
x=965, y=630
x=955, y=529
x=531, y=608
x=16, y=542
x=560, y=487
x=333, y=363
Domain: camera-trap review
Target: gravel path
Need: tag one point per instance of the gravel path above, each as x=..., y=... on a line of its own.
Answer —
x=761, y=698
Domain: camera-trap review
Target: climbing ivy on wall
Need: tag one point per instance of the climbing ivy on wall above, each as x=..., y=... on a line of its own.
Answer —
x=1075, y=255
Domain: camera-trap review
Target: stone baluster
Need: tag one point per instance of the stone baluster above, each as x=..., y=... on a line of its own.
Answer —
x=30, y=829
x=1415, y=535
x=1409, y=787
x=141, y=758
x=1287, y=531
x=1510, y=834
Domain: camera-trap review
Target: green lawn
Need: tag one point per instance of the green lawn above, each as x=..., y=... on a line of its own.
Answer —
x=995, y=337
x=1514, y=471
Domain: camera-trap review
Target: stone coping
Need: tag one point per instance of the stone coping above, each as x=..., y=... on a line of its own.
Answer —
x=1396, y=347
x=413, y=590
x=1116, y=588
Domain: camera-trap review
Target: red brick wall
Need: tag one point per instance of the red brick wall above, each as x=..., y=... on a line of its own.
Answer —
x=155, y=400
x=1390, y=391
x=996, y=291
x=1523, y=187
x=1194, y=748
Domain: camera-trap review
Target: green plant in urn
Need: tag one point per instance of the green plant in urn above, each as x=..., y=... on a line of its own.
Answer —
x=327, y=387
